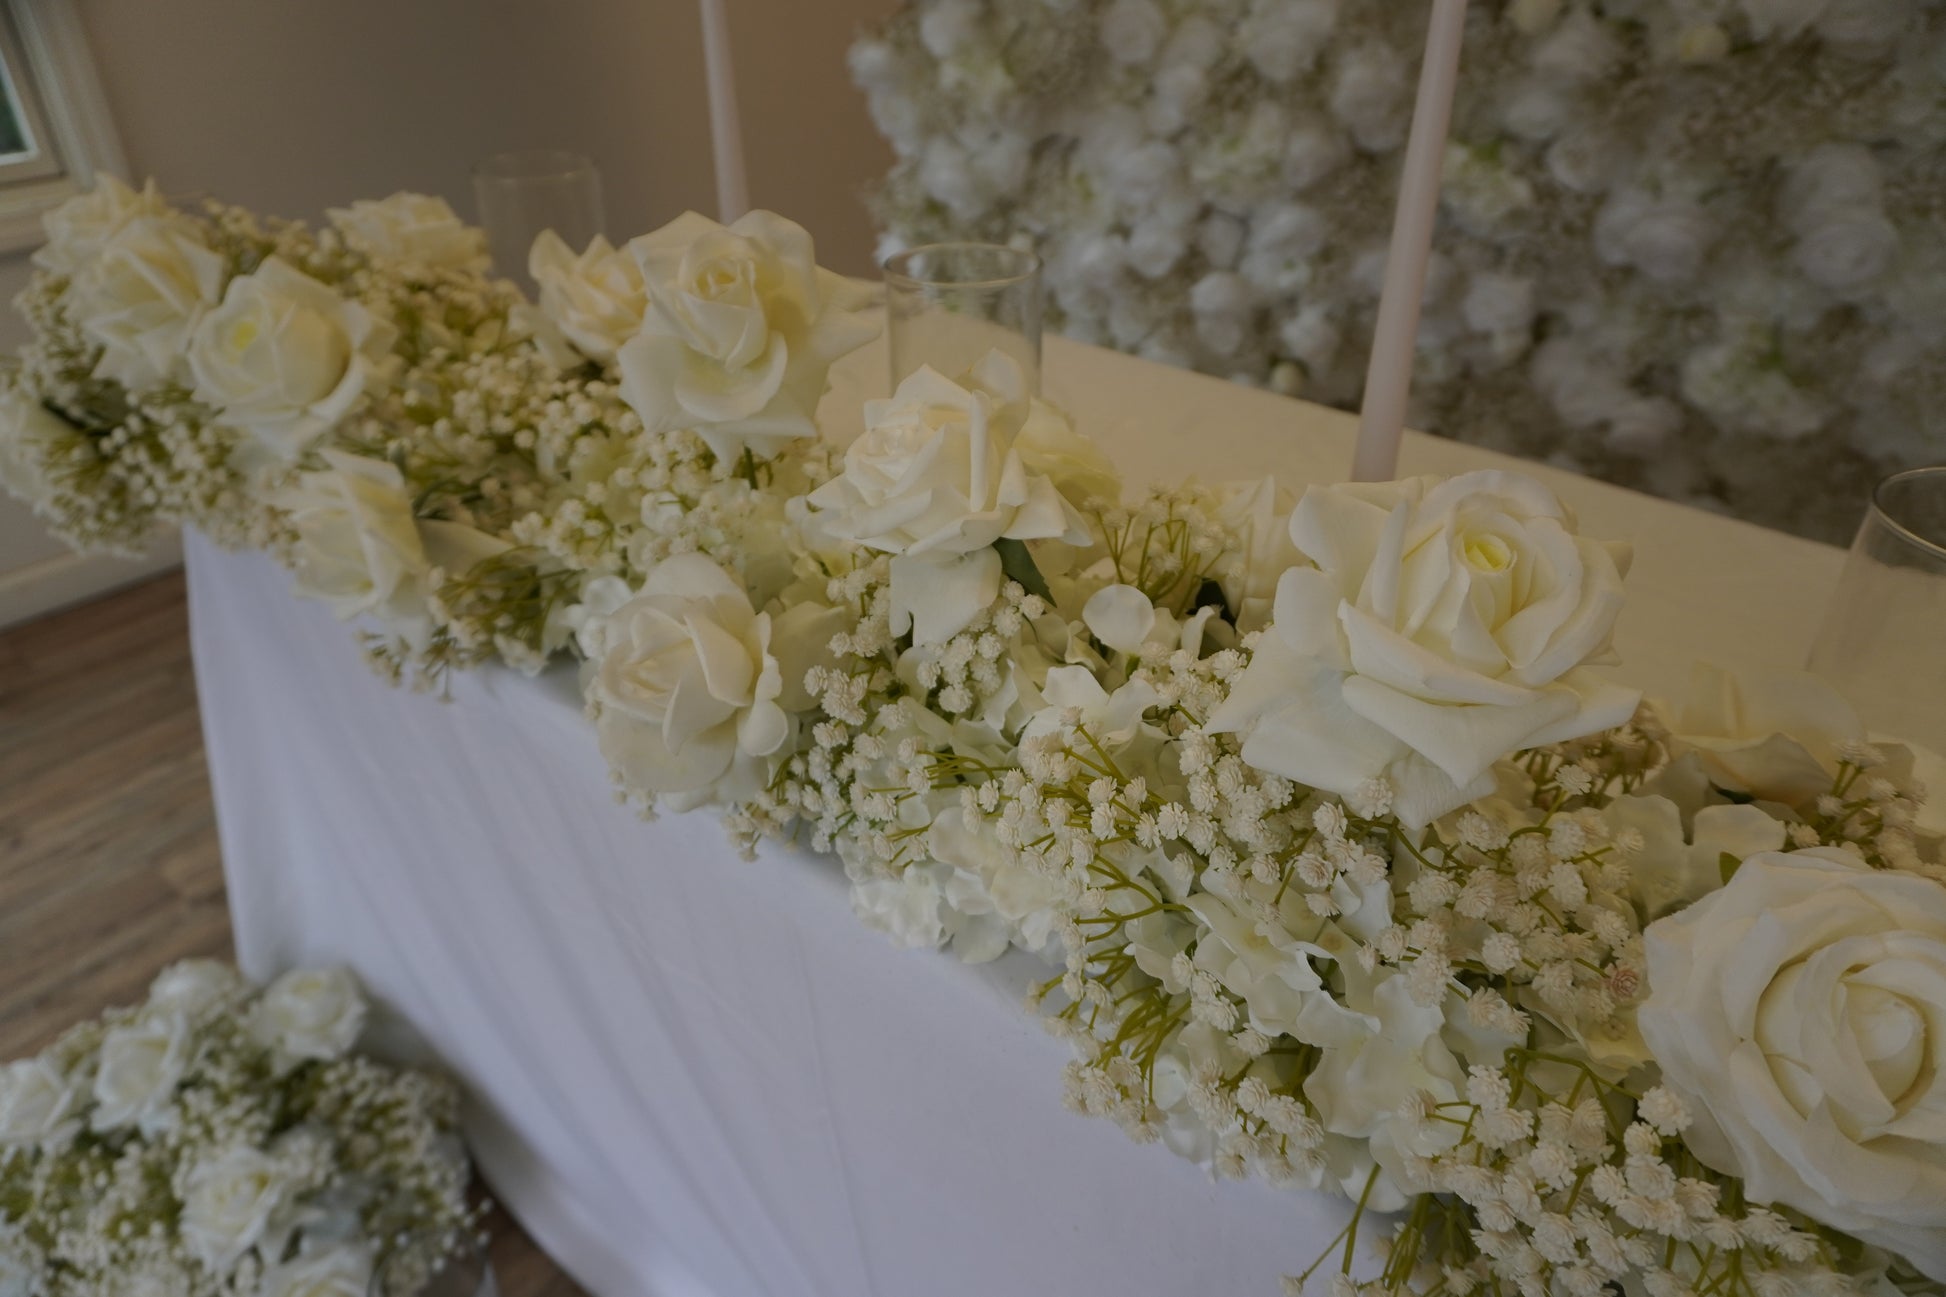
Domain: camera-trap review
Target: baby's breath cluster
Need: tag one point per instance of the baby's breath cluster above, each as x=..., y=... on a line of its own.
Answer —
x=219, y=1140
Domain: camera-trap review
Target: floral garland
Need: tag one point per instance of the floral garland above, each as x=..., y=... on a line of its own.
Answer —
x=219, y=1140
x=1691, y=246
x=1353, y=870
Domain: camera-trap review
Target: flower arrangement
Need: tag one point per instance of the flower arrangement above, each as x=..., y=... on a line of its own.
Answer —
x=219, y=1139
x=1352, y=868
x=1687, y=246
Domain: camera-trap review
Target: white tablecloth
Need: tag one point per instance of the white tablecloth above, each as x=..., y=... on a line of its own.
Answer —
x=696, y=1075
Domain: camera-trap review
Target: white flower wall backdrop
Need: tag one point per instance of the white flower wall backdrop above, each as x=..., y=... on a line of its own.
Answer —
x=1697, y=247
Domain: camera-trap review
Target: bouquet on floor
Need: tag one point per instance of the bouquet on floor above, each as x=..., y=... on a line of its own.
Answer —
x=1351, y=868
x=221, y=1139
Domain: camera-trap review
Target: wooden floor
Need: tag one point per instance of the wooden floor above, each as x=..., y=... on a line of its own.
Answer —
x=109, y=867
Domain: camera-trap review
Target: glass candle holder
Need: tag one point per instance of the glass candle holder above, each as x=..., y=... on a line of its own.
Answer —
x=521, y=194
x=1883, y=642
x=948, y=304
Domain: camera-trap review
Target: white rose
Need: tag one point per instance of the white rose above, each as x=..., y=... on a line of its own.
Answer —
x=309, y=1014
x=1445, y=625
x=741, y=331
x=284, y=358
x=414, y=228
x=1775, y=736
x=1801, y=1012
x=37, y=1101
x=342, y=1271
x=142, y=296
x=78, y=228
x=936, y=479
x=361, y=550
x=1849, y=247
x=193, y=985
x=1258, y=515
x=1029, y=902
x=905, y=907
x=692, y=683
x=21, y=1272
x=29, y=434
x=1132, y=30
x=1664, y=238
x=227, y=1203
x=1050, y=447
x=137, y=1072
x=596, y=297
x=1673, y=869
x=1369, y=95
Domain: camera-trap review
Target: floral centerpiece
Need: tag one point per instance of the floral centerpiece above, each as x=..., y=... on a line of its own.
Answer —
x=1688, y=246
x=219, y=1139
x=1353, y=869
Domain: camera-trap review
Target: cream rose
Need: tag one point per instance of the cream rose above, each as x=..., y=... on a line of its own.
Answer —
x=194, y=985
x=741, y=330
x=342, y=1271
x=695, y=681
x=1049, y=446
x=309, y=1014
x=284, y=358
x=936, y=479
x=139, y=1067
x=1446, y=625
x=79, y=228
x=361, y=550
x=37, y=1101
x=29, y=432
x=1774, y=736
x=1801, y=1012
x=595, y=297
x=227, y=1203
x=141, y=297
x=412, y=228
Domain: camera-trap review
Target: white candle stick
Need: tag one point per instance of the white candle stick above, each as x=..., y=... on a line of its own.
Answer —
x=726, y=133
x=1388, y=378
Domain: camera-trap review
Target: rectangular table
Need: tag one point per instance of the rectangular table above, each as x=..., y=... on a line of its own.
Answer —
x=695, y=1075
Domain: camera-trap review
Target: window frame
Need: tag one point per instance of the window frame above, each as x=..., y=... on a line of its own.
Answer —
x=59, y=98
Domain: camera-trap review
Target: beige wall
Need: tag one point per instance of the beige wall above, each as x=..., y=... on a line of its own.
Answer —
x=293, y=106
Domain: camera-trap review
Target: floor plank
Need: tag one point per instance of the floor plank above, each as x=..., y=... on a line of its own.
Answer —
x=109, y=864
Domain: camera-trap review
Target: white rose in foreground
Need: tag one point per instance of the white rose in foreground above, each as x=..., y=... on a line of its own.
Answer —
x=284, y=358
x=79, y=228
x=1801, y=1011
x=136, y=1076
x=227, y=1203
x=936, y=479
x=343, y=1271
x=1446, y=625
x=741, y=329
x=141, y=297
x=414, y=228
x=595, y=297
x=310, y=1014
x=361, y=550
x=695, y=680
x=37, y=1101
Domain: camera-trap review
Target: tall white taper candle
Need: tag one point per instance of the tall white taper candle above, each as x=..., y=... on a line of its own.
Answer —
x=1388, y=379
x=726, y=133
